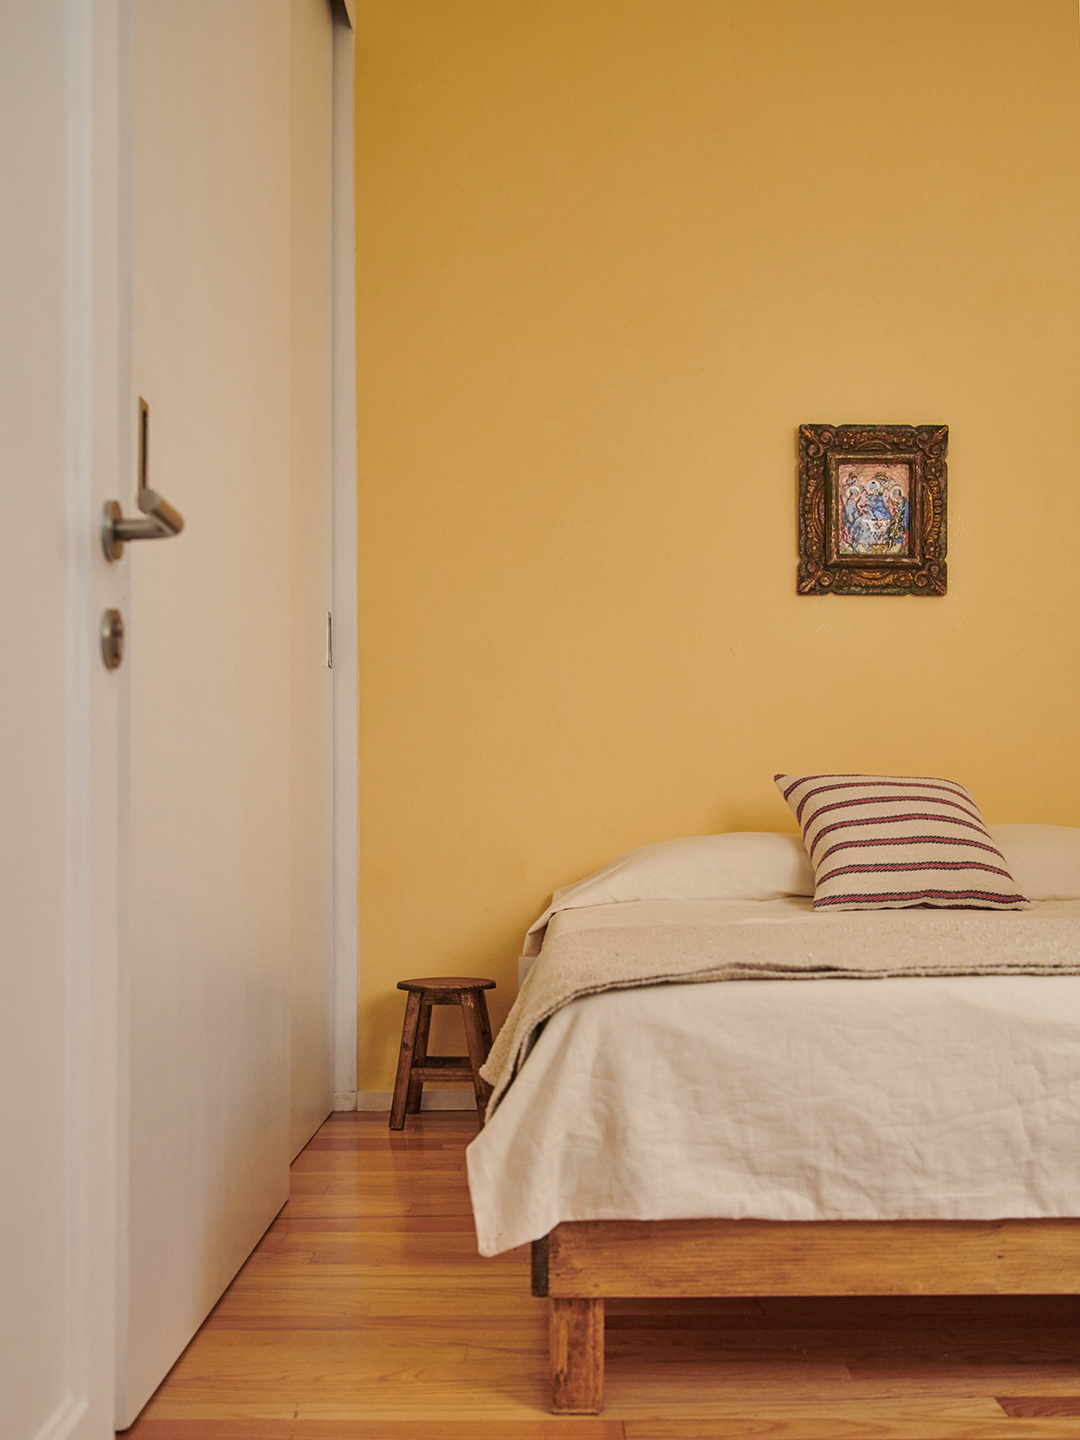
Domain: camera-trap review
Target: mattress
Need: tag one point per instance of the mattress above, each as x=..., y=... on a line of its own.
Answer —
x=951, y=1097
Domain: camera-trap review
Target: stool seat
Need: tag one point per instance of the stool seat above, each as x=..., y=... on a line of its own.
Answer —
x=415, y=1065
x=446, y=982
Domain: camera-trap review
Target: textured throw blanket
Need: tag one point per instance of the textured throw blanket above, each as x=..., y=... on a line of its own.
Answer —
x=659, y=943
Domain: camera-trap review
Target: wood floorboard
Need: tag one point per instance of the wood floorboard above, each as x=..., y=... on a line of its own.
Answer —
x=365, y=1313
x=1040, y=1404
x=294, y=1429
x=898, y=1426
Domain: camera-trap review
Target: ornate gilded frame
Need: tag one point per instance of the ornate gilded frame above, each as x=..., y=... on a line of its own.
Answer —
x=872, y=509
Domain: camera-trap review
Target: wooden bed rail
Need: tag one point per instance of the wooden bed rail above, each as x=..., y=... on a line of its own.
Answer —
x=582, y=1262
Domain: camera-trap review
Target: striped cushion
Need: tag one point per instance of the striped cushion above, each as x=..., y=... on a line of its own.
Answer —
x=882, y=842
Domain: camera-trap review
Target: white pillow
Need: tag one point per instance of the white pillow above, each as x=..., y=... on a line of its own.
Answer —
x=742, y=865
x=1044, y=859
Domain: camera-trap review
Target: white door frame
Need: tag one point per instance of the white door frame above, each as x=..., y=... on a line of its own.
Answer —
x=346, y=680
x=98, y=380
x=65, y=361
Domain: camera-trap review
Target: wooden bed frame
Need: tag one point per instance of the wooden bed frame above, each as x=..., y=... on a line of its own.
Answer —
x=580, y=1263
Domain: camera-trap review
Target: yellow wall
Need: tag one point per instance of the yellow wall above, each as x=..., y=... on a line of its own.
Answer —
x=611, y=254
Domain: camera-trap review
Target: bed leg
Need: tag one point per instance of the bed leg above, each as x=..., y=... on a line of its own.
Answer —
x=577, y=1356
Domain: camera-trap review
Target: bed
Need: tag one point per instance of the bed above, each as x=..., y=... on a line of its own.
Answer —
x=656, y=1130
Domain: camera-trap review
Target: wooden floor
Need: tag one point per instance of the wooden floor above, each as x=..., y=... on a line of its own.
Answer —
x=366, y=1314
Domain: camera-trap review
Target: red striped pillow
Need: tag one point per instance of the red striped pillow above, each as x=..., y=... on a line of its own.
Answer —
x=883, y=842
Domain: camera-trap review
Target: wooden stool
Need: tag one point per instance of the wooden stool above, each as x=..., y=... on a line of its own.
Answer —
x=415, y=1065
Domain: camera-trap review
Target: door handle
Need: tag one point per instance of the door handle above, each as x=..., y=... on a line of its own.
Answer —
x=159, y=521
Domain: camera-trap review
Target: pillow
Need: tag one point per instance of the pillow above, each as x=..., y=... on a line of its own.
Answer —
x=1044, y=859
x=750, y=865
x=884, y=842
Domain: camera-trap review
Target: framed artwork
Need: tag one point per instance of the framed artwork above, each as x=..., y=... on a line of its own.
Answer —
x=872, y=509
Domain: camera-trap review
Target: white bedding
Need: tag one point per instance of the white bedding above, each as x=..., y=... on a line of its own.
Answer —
x=953, y=1097
x=587, y=950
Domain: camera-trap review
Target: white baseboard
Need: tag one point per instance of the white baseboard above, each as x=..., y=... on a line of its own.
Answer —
x=344, y=1099
x=449, y=1097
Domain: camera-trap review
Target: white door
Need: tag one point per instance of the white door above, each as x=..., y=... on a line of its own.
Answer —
x=230, y=939
x=164, y=826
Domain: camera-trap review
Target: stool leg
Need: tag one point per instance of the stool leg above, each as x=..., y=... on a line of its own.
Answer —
x=416, y=1085
x=485, y=1021
x=474, y=1038
x=405, y=1061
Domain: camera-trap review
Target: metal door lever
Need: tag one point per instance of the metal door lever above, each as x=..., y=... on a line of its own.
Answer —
x=158, y=522
x=159, y=519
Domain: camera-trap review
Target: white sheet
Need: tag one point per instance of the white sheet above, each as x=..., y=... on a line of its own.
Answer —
x=947, y=1098
x=640, y=943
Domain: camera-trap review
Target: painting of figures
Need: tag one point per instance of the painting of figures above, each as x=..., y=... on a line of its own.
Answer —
x=872, y=509
x=875, y=508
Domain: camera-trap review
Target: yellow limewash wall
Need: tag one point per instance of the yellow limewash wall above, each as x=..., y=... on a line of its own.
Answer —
x=611, y=254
